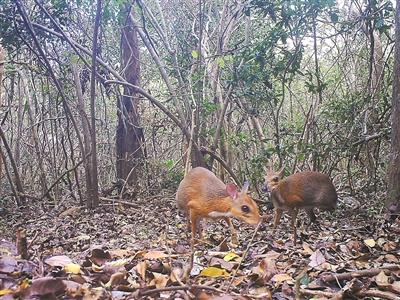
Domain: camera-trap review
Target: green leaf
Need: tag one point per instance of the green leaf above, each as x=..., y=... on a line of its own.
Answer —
x=74, y=59
x=305, y=280
x=195, y=54
x=221, y=62
x=26, y=106
x=169, y=163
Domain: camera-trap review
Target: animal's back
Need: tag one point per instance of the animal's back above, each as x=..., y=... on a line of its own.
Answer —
x=200, y=184
x=308, y=189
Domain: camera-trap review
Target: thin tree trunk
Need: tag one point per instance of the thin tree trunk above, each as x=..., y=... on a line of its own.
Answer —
x=129, y=139
x=20, y=199
x=38, y=152
x=94, y=187
x=315, y=155
x=10, y=180
x=2, y=62
x=85, y=127
x=393, y=199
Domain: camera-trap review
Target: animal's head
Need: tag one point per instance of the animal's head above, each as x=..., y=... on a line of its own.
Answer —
x=243, y=206
x=272, y=179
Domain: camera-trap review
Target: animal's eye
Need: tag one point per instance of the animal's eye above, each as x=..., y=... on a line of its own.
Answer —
x=245, y=209
x=275, y=178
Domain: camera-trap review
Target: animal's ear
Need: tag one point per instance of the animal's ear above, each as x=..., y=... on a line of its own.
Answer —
x=232, y=191
x=245, y=187
x=281, y=172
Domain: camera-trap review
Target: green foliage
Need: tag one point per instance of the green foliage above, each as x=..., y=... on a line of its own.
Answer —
x=276, y=52
x=8, y=30
x=209, y=107
x=195, y=54
x=343, y=110
x=115, y=11
x=169, y=163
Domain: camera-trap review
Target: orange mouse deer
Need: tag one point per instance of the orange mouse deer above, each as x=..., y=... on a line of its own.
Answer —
x=301, y=190
x=202, y=195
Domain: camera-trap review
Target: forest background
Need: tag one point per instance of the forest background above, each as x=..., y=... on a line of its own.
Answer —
x=105, y=106
x=305, y=84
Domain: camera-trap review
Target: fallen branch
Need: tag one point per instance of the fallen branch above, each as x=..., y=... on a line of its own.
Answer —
x=165, y=289
x=328, y=277
x=378, y=294
x=180, y=288
x=120, y=201
x=329, y=295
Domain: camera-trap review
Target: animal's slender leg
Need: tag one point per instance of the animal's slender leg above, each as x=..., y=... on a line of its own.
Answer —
x=234, y=236
x=294, y=213
x=277, y=217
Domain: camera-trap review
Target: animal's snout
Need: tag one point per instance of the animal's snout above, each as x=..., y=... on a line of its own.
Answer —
x=265, y=188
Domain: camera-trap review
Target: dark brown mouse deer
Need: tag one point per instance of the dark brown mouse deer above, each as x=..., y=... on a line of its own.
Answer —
x=305, y=190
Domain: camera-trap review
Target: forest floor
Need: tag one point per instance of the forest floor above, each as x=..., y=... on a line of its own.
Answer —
x=121, y=252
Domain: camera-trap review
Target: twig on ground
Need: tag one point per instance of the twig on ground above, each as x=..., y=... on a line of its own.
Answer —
x=243, y=256
x=120, y=201
x=378, y=294
x=180, y=288
x=328, y=277
x=321, y=293
x=33, y=239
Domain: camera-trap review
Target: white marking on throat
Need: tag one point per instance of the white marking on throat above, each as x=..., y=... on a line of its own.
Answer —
x=219, y=214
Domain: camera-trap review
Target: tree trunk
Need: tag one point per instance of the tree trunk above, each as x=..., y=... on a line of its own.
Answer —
x=93, y=201
x=85, y=129
x=393, y=199
x=2, y=63
x=35, y=136
x=130, y=139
